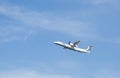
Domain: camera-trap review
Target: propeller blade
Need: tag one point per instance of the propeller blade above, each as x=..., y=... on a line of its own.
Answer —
x=69, y=42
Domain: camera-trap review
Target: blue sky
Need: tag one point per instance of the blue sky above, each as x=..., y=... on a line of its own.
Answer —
x=28, y=29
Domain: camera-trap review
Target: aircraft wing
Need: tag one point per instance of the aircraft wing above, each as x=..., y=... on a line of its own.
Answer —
x=76, y=43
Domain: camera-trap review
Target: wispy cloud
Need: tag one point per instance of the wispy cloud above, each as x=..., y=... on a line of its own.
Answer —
x=10, y=33
x=99, y=1
x=29, y=74
x=35, y=20
x=14, y=29
x=106, y=74
x=38, y=74
x=59, y=69
x=90, y=1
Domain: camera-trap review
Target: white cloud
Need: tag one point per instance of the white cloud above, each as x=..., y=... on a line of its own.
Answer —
x=37, y=74
x=14, y=28
x=39, y=20
x=99, y=1
x=68, y=65
x=10, y=33
x=29, y=74
x=107, y=74
x=95, y=2
x=33, y=21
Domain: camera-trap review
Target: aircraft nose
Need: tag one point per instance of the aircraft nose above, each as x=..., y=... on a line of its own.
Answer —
x=55, y=42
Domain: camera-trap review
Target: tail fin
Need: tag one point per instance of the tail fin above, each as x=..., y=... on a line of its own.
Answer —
x=89, y=48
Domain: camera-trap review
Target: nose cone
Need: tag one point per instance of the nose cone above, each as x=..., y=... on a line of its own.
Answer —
x=57, y=42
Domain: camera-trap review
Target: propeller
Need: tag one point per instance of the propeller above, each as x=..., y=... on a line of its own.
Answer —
x=69, y=42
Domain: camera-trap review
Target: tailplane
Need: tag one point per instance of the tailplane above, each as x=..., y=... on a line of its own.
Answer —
x=89, y=48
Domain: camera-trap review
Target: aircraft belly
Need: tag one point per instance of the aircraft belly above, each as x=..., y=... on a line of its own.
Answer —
x=67, y=46
x=79, y=50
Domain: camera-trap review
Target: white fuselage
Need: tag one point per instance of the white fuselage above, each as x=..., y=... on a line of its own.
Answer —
x=71, y=47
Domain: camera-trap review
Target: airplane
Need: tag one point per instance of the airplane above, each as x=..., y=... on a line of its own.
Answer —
x=73, y=46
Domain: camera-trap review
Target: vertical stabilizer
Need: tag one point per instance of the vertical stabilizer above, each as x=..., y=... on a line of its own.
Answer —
x=89, y=48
